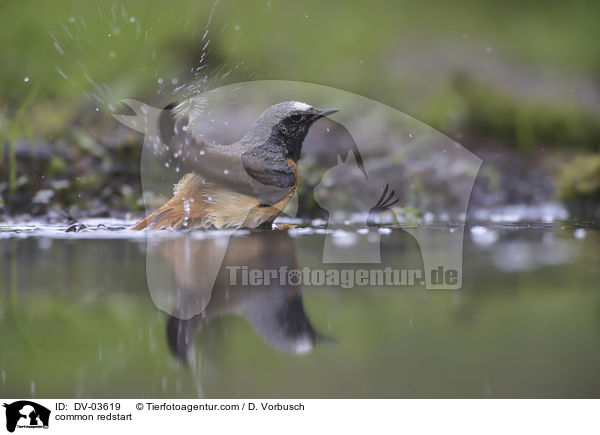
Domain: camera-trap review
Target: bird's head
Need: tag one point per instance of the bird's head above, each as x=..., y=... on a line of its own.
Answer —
x=285, y=125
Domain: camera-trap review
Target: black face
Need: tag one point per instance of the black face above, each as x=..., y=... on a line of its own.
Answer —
x=293, y=129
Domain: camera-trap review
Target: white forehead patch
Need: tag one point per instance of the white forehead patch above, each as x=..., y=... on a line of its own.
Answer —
x=300, y=106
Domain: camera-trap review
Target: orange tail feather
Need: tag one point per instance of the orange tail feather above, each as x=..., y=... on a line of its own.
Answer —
x=181, y=210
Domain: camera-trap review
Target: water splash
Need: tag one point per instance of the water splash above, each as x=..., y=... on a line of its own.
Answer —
x=579, y=233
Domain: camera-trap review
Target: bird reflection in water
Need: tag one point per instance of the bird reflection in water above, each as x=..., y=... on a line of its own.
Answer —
x=275, y=311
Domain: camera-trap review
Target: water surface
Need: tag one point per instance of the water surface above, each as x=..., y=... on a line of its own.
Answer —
x=77, y=318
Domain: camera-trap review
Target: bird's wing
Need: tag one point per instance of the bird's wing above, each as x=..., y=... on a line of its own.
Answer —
x=241, y=170
x=273, y=176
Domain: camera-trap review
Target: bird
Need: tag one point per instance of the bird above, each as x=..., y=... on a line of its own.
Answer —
x=274, y=310
x=242, y=185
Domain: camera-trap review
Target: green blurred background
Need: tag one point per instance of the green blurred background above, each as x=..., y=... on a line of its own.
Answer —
x=507, y=77
x=518, y=83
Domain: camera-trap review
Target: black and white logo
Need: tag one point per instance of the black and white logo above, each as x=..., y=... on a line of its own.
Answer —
x=25, y=414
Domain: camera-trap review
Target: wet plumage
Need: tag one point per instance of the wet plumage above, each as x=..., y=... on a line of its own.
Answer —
x=243, y=185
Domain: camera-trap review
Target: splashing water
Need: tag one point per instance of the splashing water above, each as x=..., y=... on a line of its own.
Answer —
x=73, y=40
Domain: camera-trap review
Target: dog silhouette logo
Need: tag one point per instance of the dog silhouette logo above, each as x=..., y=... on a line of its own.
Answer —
x=26, y=414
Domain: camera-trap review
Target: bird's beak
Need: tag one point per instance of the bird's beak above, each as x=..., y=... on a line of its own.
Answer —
x=325, y=112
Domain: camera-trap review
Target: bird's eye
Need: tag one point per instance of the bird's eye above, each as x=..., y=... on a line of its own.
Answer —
x=283, y=129
x=296, y=118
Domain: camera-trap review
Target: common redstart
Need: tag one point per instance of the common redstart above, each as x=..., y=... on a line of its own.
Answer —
x=243, y=185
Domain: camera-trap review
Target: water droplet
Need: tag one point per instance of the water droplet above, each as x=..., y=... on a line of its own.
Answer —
x=160, y=80
x=97, y=109
x=237, y=27
x=26, y=79
x=174, y=81
x=62, y=74
x=226, y=171
x=579, y=233
x=483, y=236
x=410, y=135
x=132, y=19
x=112, y=54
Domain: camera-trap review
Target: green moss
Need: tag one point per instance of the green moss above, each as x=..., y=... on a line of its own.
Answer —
x=56, y=165
x=493, y=115
x=580, y=179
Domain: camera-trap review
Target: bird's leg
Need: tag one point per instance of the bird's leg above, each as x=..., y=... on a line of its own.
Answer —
x=268, y=225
